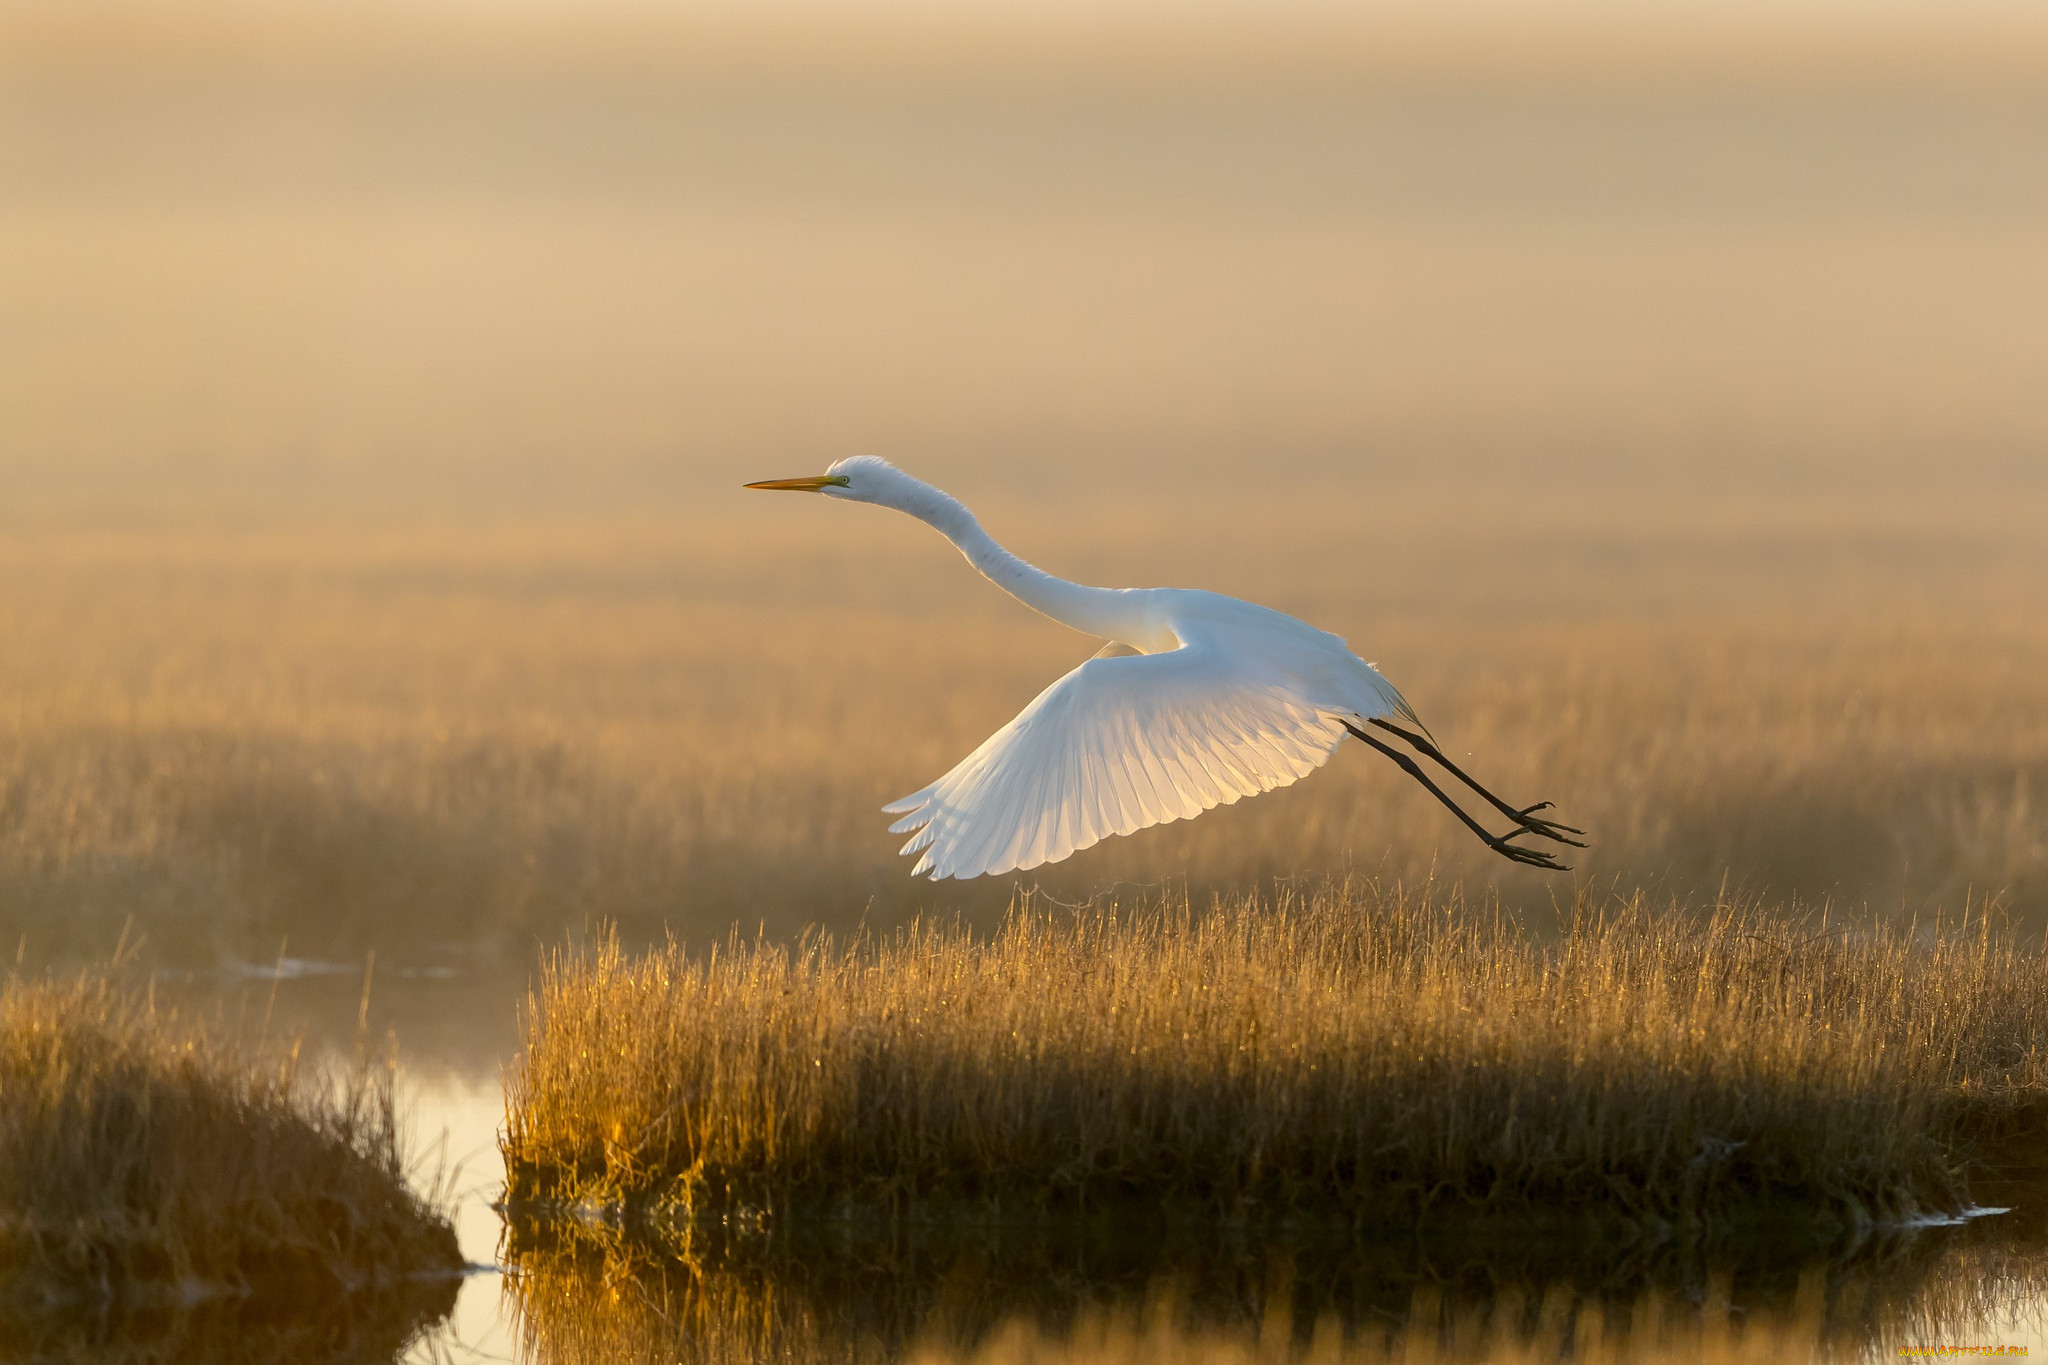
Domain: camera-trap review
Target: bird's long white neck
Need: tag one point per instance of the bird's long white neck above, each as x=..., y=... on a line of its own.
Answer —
x=1109, y=613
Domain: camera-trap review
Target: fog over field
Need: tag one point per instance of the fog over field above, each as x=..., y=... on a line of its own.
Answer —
x=1666, y=420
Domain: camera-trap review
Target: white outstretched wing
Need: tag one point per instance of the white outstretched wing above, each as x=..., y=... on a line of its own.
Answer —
x=1120, y=743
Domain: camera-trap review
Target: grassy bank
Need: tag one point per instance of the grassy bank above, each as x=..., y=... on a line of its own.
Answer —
x=1345, y=1056
x=149, y=1164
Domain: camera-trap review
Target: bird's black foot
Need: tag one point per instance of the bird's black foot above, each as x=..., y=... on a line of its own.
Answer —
x=1531, y=857
x=1525, y=818
x=1531, y=823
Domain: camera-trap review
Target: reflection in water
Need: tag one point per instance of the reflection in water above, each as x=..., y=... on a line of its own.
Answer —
x=357, y=1330
x=455, y=1120
x=588, y=1295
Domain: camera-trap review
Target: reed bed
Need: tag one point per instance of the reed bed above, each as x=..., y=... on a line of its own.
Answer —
x=1349, y=1054
x=151, y=1164
x=1671, y=481
x=491, y=739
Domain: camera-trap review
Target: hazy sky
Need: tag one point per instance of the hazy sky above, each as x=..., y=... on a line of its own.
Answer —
x=1630, y=13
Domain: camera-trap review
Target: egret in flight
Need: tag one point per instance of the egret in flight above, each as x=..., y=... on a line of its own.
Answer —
x=1198, y=699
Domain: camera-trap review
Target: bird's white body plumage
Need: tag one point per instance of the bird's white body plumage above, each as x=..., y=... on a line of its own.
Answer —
x=1207, y=700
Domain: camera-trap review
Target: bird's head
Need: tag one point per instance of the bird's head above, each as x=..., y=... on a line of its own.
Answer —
x=860, y=478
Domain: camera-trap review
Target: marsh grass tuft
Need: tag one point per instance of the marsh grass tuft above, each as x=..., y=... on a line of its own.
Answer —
x=1347, y=1055
x=149, y=1162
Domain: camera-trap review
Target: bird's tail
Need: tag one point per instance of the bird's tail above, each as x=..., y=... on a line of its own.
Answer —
x=1395, y=704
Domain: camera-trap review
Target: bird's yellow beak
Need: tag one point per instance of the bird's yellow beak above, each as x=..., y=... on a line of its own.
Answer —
x=816, y=483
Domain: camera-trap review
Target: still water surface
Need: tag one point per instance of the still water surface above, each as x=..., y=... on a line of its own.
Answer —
x=459, y=1117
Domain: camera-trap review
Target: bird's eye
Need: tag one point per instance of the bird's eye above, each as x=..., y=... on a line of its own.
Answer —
x=843, y=480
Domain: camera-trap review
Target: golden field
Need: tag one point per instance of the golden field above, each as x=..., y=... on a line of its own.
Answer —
x=374, y=570
x=404, y=740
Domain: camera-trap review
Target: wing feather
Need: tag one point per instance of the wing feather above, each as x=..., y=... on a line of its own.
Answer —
x=1126, y=811
x=1120, y=743
x=1099, y=792
x=1207, y=777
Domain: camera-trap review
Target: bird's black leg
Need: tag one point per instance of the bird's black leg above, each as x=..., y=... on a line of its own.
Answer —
x=1498, y=843
x=1526, y=817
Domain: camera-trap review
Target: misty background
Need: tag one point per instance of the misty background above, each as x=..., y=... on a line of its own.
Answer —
x=1650, y=391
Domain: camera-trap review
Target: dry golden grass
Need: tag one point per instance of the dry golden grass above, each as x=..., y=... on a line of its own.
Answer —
x=490, y=736
x=151, y=1166
x=1345, y=1055
x=374, y=571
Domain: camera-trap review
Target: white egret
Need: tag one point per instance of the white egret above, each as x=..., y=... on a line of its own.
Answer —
x=1198, y=699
